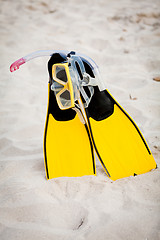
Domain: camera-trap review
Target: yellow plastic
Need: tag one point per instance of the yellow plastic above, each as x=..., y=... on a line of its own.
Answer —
x=120, y=145
x=67, y=149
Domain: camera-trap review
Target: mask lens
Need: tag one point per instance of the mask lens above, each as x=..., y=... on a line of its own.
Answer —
x=66, y=95
x=65, y=99
x=61, y=74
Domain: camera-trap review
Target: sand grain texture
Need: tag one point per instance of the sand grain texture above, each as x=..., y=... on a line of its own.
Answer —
x=123, y=37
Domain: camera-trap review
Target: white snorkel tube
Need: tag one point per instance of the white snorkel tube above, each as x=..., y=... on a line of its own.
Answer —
x=72, y=58
x=15, y=66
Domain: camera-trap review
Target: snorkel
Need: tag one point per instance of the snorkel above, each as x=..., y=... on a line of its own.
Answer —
x=79, y=78
x=15, y=66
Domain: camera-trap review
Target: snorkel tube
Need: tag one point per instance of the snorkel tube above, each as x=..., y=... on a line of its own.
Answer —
x=72, y=58
x=15, y=66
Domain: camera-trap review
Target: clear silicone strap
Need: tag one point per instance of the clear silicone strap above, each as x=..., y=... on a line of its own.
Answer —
x=73, y=60
x=97, y=80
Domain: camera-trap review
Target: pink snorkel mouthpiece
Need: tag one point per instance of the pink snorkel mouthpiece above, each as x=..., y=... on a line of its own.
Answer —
x=15, y=66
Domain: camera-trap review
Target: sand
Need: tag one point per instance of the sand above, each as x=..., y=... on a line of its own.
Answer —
x=123, y=37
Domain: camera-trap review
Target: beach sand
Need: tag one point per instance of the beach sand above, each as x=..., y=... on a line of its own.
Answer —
x=123, y=37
